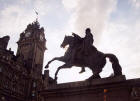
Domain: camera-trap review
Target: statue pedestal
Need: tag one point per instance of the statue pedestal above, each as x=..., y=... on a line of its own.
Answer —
x=106, y=89
x=108, y=80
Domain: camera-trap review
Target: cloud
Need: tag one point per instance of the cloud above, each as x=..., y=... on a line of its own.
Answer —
x=70, y=4
x=90, y=13
x=122, y=39
x=14, y=18
x=42, y=7
x=135, y=3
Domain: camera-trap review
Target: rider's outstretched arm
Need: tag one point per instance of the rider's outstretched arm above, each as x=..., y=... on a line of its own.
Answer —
x=75, y=35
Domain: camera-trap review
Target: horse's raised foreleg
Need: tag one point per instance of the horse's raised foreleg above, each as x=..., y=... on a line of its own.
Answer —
x=56, y=58
x=63, y=66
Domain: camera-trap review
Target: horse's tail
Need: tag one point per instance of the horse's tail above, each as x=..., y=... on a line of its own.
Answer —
x=111, y=57
x=115, y=64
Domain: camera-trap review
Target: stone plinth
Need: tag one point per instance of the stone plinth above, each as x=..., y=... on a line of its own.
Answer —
x=107, y=89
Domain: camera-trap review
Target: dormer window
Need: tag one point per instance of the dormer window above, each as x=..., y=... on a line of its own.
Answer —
x=34, y=84
x=41, y=37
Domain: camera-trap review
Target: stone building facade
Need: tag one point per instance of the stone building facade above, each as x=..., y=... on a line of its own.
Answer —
x=21, y=74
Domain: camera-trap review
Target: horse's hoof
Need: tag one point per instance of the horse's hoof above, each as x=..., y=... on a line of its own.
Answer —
x=46, y=66
x=82, y=71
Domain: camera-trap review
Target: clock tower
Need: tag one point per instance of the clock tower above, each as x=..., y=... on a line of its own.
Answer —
x=31, y=48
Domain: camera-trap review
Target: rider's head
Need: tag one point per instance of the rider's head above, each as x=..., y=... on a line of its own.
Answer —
x=87, y=30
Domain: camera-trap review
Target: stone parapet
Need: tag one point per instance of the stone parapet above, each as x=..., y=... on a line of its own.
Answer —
x=106, y=89
x=93, y=82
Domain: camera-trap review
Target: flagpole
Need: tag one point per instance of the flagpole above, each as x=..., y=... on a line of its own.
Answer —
x=36, y=15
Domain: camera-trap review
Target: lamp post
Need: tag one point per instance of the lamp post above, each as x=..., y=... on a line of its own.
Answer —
x=105, y=94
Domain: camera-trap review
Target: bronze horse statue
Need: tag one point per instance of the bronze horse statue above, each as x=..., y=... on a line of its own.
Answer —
x=96, y=60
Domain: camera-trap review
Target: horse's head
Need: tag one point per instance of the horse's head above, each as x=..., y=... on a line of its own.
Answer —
x=67, y=41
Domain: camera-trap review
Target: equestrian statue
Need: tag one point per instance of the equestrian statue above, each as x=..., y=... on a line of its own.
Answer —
x=82, y=53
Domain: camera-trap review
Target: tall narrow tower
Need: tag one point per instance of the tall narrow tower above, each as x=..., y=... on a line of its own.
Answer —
x=31, y=48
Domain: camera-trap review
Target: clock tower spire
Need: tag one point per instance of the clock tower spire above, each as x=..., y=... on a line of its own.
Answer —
x=31, y=48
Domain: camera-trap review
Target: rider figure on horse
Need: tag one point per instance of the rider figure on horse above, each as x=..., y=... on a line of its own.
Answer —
x=86, y=45
x=88, y=41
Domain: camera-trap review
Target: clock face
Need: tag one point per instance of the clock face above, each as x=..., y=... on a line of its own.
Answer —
x=27, y=34
x=41, y=37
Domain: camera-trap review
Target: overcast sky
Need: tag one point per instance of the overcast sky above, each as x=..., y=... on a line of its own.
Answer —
x=115, y=25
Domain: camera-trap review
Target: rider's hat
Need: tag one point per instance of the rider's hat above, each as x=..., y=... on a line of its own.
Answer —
x=87, y=29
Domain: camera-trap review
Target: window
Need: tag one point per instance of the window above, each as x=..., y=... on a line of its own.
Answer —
x=34, y=84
